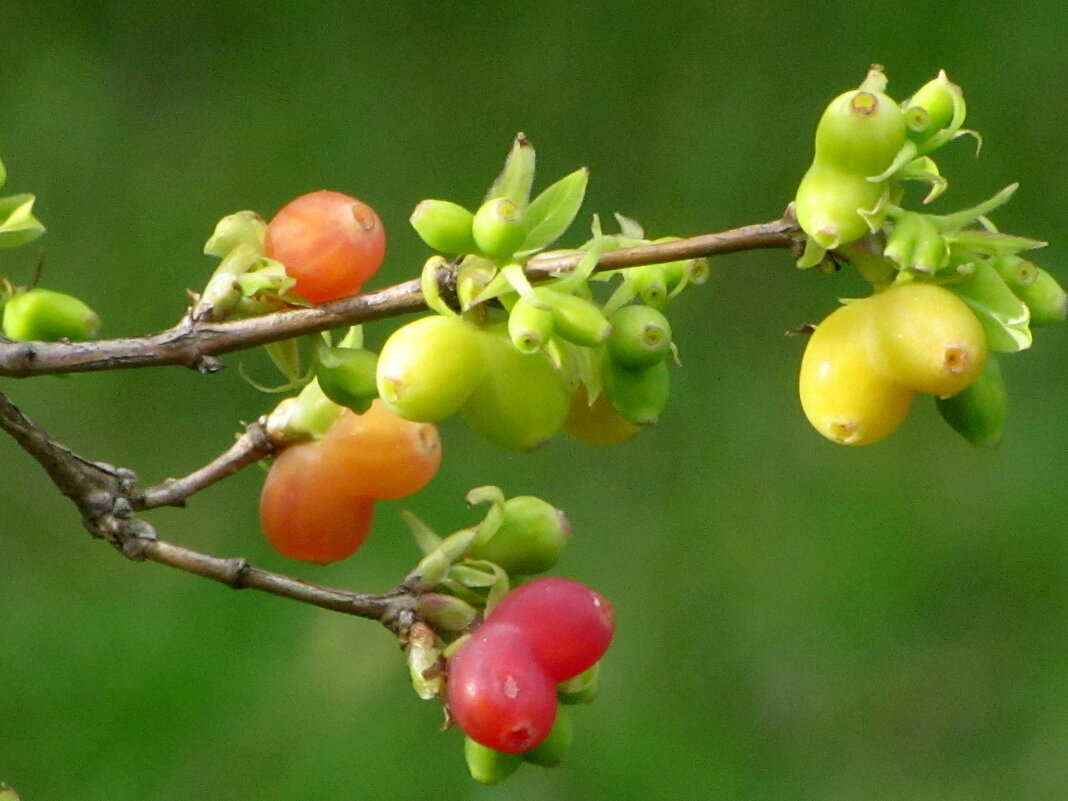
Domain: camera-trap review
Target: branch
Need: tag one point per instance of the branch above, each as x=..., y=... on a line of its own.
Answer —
x=106, y=499
x=197, y=345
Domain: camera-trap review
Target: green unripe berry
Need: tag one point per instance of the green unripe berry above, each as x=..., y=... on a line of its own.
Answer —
x=1044, y=298
x=639, y=396
x=428, y=368
x=860, y=132
x=641, y=336
x=552, y=750
x=829, y=203
x=575, y=319
x=650, y=283
x=530, y=538
x=498, y=228
x=42, y=315
x=933, y=108
x=979, y=412
x=445, y=226
x=487, y=765
x=348, y=376
x=529, y=327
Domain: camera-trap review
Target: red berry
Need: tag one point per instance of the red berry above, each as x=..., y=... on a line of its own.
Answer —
x=567, y=625
x=499, y=693
x=329, y=243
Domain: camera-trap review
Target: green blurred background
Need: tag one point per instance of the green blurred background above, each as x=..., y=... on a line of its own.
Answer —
x=797, y=621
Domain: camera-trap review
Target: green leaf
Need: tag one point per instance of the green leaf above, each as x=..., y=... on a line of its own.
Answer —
x=1004, y=317
x=17, y=223
x=553, y=211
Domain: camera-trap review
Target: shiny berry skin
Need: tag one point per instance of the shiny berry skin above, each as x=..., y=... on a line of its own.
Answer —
x=499, y=694
x=380, y=454
x=330, y=243
x=308, y=510
x=567, y=625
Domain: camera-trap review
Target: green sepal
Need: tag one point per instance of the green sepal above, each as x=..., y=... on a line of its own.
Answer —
x=42, y=315
x=640, y=396
x=1004, y=317
x=993, y=243
x=582, y=689
x=979, y=412
x=445, y=226
x=473, y=277
x=494, y=496
x=348, y=376
x=242, y=228
x=915, y=243
x=576, y=279
x=428, y=285
x=309, y=415
x=551, y=213
x=551, y=751
x=425, y=537
x=529, y=327
x=498, y=228
x=517, y=177
x=640, y=337
x=17, y=223
x=958, y=220
x=222, y=292
x=268, y=278
x=435, y=566
x=472, y=577
x=1045, y=299
x=446, y=612
x=487, y=765
x=575, y=319
x=530, y=538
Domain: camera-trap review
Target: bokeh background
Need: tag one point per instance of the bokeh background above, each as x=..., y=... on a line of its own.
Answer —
x=797, y=621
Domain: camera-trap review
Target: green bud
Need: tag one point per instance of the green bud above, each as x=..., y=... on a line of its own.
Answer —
x=679, y=274
x=41, y=315
x=582, y=689
x=446, y=612
x=241, y=228
x=641, y=336
x=498, y=228
x=835, y=207
x=552, y=750
x=574, y=318
x=1045, y=298
x=639, y=396
x=433, y=567
x=17, y=223
x=529, y=327
x=488, y=766
x=979, y=412
x=530, y=538
x=445, y=226
x=860, y=133
x=348, y=376
x=1015, y=272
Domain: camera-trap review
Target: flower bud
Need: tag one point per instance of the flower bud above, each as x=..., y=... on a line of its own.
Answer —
x=446, y=612
x=45, y=316
x=445, y=226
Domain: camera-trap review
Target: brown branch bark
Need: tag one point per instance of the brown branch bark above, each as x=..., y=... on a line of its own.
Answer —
x=197, y=345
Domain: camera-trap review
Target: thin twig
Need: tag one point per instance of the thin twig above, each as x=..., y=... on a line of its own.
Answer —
x=197, y=345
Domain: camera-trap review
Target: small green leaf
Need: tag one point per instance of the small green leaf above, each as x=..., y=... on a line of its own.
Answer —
x=424, y=535
x=551, y=213
x=17, y=223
